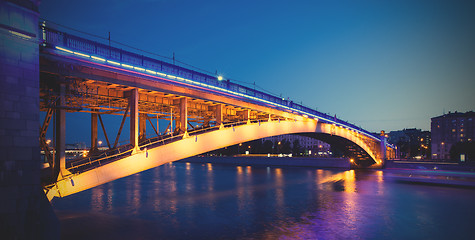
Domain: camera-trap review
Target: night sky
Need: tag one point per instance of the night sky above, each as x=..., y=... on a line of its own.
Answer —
x=383, y=65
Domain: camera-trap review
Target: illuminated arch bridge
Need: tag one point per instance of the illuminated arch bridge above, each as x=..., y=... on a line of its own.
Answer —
x=203, y=113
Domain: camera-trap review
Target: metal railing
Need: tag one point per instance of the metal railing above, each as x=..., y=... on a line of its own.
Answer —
x=53, y=39
x=87, y=163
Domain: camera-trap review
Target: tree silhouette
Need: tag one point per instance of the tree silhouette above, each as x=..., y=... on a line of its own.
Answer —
x=296, y=148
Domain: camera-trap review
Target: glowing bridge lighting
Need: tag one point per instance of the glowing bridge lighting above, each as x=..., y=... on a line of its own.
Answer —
x=112, y=62
x=98, y=58
x=81, y=54
x=64, y=49
x=19, y=34
x=220, y=78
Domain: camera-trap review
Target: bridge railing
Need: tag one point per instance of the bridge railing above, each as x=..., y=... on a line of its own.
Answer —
x=89, y=162
x=95, y=51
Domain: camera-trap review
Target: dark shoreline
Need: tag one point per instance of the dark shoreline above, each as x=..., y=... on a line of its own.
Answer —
x=341, y=163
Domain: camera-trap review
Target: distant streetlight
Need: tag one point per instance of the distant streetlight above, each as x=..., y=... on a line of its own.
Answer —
x=100, y=143
x=220, y=78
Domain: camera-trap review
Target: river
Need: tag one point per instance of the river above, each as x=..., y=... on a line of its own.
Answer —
x=212, y=201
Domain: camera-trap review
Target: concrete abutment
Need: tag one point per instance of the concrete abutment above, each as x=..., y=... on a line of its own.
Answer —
x=25, y=213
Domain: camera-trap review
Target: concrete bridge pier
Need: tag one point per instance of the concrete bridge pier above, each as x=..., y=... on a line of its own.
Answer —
x=181, y=126
x=25, y=213
x=60, y=138
x=142, y=126
x=134, y=118
x=219, y=115
x=383, y=148
x=94, y=141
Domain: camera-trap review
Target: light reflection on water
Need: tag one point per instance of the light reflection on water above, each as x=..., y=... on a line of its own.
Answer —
x=209, y=201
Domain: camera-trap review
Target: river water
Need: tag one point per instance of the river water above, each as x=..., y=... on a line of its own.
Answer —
x=212, y=201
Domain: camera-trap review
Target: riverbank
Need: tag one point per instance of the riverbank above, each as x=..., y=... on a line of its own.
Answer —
x=446, y=166
x=433, y=173
x=342, y=163
x=432, y=177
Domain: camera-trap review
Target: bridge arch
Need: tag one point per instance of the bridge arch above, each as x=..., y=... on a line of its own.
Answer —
x=148, y=158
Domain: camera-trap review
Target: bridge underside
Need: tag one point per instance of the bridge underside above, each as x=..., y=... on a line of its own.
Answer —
x=350, y=149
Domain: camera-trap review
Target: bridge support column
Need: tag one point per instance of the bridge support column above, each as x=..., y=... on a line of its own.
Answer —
x=219, y=115
x=60, y=156
x=184, y=116
x=171, y=122
x=134, y=119
x=94, y=132
x=383, y=148
x=142, y=126
x=246, y=114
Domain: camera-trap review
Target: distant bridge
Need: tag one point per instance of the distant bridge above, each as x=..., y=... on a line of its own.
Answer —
x=203, y=112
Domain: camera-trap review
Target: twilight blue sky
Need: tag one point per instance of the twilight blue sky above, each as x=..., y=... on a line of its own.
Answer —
x=383, y=65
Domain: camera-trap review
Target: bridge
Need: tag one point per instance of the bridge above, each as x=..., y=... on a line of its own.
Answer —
x=203, y=112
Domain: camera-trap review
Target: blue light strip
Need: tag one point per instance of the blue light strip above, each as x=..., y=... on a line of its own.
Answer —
x=172, y=77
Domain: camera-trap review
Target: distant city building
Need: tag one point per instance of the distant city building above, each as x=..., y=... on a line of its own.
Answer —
x=411, y=143
x=309, y=145
x=450, y=129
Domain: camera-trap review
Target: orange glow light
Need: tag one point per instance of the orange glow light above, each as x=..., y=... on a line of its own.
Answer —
x=210, y=167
